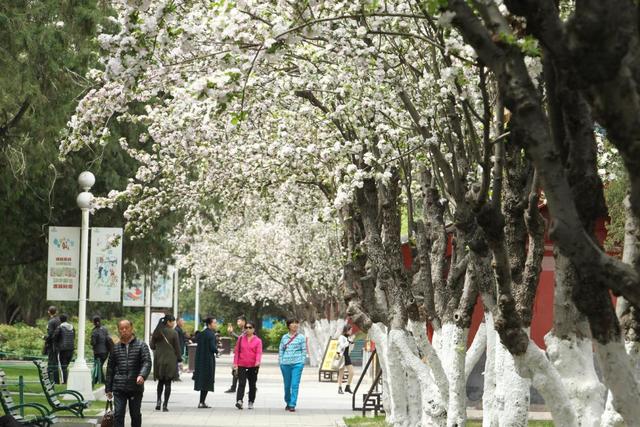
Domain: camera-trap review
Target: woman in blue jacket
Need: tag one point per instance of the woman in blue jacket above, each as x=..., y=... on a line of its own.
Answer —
x=292, y=355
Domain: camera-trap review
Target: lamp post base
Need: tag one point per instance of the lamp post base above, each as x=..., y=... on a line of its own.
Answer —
x=80, y=380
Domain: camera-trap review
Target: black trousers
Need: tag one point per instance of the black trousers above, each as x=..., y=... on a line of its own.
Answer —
x=244, y=375
x=120, y=399
x=52, y=365
x=65, y=359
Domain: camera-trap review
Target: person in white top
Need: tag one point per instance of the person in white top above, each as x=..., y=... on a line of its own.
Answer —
x=344, y=346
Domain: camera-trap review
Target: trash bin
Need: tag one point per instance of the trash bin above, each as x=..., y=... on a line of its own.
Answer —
x=225, y=345
x=191, y=351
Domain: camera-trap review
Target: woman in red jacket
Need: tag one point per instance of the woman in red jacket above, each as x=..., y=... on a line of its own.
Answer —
x=246, y=360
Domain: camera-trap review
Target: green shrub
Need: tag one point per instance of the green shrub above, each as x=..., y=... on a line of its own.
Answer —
x=275, y=334
x=21, y=340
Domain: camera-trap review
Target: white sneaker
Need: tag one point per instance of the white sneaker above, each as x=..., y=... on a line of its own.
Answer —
x=250, y=406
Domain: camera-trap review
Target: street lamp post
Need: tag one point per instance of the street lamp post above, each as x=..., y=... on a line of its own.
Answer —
x=147, y=307
x=175, y=293
x=196, y=315
x=79, y=374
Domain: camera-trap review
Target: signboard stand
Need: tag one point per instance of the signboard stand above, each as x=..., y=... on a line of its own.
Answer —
x=326, y=373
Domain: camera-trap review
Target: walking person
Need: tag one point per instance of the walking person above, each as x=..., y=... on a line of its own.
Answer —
x=65, y=338
x=53, y=365
x=129, y=365
x=205, y=366
x=246, y=362
x=102, y=345
x=292, y=355
x=241, y=321
x=344, y=345
x=166, y=346
x=182, y=337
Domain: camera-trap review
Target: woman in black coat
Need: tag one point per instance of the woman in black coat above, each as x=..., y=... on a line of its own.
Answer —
x=166, y=346
x=205, y=367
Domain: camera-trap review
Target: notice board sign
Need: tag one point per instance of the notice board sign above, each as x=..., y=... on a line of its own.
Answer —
x=326, y=372
x=63, y=264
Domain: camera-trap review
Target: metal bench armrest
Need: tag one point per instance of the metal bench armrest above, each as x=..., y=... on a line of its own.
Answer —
x=43, y=409
x=73, y=393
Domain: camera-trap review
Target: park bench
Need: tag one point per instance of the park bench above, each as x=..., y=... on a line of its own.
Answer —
x=44, y=419
x=77, y=408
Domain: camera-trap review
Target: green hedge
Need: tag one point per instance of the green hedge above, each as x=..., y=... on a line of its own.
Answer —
x=21, y=341
x=274, y=335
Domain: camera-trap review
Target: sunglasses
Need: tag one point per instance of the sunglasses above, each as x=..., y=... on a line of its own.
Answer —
x=248, y=327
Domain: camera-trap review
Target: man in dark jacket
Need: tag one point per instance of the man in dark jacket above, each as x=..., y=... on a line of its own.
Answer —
x=181, y=336
x=129, y=365
x=65, y=338
x=241, y=321
x=101, y=344
x=49, y=345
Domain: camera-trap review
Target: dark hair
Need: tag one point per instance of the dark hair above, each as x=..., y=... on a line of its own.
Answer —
x=242, y=317
x=52, y=309
x=208, y=321
x=250, y=323
x=292, y=320
x=96, y=320
x=162, y=324
x=63, y=318
x=346, y=329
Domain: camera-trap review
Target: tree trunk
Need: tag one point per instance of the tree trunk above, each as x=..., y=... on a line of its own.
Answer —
x=489, y=404
x=570, y=349
x=454, y=350
x=627, y=313
x=512, y=390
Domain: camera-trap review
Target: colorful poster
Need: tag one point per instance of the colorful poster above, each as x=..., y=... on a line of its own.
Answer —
x=133, y=291
x=162, y=288
x=64, y=263
x=105, y=264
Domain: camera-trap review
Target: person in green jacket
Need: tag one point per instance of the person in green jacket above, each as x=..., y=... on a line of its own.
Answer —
x=166, y=354
x=205, y=367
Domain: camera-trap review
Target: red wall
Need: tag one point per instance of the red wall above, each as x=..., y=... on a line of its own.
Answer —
x=542, y=321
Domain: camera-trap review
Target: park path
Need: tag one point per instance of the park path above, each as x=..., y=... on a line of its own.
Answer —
x=319, y=404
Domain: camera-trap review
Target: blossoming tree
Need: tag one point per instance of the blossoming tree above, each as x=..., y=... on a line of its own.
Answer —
x=277, y=125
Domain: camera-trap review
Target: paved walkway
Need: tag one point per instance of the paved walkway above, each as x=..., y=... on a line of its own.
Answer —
x=319, y=404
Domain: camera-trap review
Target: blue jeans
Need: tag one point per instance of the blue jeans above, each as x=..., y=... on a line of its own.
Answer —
x=291, y=375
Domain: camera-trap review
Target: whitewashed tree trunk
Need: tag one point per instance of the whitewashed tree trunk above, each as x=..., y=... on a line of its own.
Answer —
x=432, y=359
x=452, y=354
x=319, y=334
x=513, y=391
x=426, y=407
x=572, y=357
x=610, y=417
x=478, y=346
x=630, y=254
x=619, y=375
x=533, y=364
x=394, y=410
x=489, y=404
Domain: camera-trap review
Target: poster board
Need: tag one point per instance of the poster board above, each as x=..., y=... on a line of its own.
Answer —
x=162, y=288
x=155, y=318
x=133, y=291
x=326, y=372
x=105, y=264
x=63, y=267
